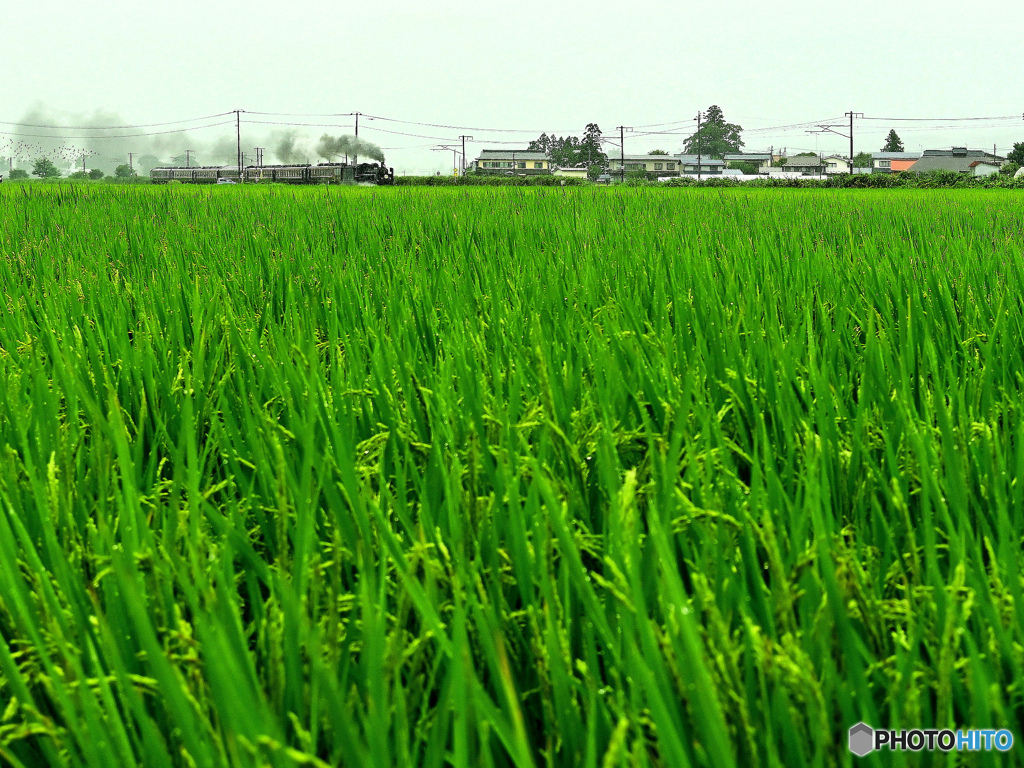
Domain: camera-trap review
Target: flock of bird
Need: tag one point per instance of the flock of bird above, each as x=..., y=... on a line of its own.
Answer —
x=15, y=150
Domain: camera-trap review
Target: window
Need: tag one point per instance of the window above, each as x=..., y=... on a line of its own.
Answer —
x=657, y=166
x=885, y=163
x=521, y=165
x=538, y=165
x=670, y=166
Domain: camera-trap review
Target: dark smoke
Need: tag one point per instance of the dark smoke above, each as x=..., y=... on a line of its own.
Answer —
x=289, y=149
x=331, y=147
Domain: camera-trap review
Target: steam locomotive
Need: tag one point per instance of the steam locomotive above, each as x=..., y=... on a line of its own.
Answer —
x=322, y=173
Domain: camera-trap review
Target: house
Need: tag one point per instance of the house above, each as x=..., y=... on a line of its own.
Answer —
x=984, y=167
x=888, y=162
x=758, y=159
x=837, y=164
x=662, y=165
x=522, y=162
x=709, y=166
x=806, y=165
x=957, y=159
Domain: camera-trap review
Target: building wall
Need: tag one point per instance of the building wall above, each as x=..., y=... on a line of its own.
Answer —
x=984, y=170
x=506, y=165
x=648, y=164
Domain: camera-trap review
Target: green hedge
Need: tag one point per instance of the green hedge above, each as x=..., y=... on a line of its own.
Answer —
x=933, y=180
x=487, y=181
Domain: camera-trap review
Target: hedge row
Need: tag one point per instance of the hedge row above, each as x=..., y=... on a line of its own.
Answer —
x=933, y=180
x=937, y=179
x=487, y=181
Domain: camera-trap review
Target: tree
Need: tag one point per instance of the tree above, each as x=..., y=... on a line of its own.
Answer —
x=95, y=174
x=79, y=175
x=591, y=153
x=893, y=143
x=19, y=173
x=124, y=171
x=862, y=160
x=44, y=169
x=571, y=151
x=1009, y=168
x=745, y=167
x=657, y=152
x=1017, y=155
x=715, y=137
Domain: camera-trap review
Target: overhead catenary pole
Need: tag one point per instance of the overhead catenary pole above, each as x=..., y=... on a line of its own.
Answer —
x=238, y=145
x=622, y=150
x=355, y=157
x=851, y=142
x=464, y=152
x=188, y=152
x=699, y=116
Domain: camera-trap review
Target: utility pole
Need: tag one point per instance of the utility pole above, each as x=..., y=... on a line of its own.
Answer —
x=699, y=116
x=622, y=150
x=852, y=115
x=131, y=165
x=188, y=153
x=259, y=156
x=238, y=144
x=464, y=152
x=355, y=157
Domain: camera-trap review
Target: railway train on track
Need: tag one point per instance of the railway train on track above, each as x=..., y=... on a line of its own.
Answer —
x=323, y=173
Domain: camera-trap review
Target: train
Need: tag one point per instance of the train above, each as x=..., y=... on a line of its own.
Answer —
x=322, y=173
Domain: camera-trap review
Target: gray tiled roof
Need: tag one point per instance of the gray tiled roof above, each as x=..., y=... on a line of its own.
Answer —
x=946, y=160
x=645, y=158
x=895, y=155
x=742, y=156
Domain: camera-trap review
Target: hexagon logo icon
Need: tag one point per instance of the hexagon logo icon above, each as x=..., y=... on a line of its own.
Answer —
x=862, y=739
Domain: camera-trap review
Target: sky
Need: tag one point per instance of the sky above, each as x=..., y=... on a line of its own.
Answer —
x=424, y=74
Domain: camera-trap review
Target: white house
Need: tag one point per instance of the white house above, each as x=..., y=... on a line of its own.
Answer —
x=984, y=167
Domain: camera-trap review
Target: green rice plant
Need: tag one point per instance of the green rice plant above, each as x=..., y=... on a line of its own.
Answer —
x=507, y=476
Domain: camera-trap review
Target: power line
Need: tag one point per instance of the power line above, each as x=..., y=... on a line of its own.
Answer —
x=941, y=119
x=112, y=127
x=120, y=136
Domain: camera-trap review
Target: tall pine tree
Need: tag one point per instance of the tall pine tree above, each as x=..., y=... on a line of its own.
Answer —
x=893, y=143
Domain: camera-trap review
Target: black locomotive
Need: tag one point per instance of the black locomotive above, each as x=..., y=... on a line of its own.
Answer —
x=322, y=173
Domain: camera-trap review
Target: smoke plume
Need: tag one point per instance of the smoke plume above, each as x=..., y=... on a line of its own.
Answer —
x=65, y=137
x=289, y=148
x=331, y=147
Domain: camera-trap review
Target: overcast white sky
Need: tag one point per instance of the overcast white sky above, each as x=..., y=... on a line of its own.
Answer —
x=526, y=65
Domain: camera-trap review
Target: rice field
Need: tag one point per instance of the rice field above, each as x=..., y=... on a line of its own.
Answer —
x=507, y=477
